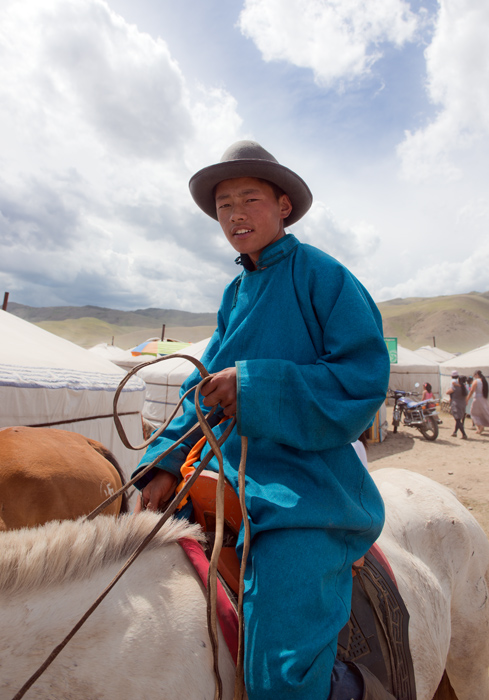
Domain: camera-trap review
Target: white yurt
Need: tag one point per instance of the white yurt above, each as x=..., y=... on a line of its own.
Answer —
x=48, y=381
x=121, y=358
x=163, y=381
x=412, y=369
x=108, y=352
x=465, y=364
x=428, y=352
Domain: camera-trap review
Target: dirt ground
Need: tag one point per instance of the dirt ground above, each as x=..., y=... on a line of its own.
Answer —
x=462, y=465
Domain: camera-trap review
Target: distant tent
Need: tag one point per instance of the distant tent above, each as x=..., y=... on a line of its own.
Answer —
x=427, y=352
x=108, y=352
x=412, y=369
x=465, y=364
x=47, y=381
x=121, y=358
x=163, y=381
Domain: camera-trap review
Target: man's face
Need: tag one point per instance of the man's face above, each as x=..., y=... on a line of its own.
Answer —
x=250, y=214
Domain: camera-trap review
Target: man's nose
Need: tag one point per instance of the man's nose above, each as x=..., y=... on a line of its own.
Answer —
x=237, y=213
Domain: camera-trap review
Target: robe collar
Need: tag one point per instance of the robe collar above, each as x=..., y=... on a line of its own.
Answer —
x=272, y=254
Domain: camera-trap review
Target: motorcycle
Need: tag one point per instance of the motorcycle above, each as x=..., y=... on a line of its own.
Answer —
x=421, y=415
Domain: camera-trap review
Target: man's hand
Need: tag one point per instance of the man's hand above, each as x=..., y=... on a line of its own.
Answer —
x=157, y=492
x=221, y=389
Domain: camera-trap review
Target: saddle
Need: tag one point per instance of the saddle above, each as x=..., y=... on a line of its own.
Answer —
x=376, y=634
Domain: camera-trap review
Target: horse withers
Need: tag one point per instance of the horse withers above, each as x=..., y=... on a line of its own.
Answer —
x=49, y=474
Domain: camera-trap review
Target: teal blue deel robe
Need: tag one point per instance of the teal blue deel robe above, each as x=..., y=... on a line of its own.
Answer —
x=312, y=370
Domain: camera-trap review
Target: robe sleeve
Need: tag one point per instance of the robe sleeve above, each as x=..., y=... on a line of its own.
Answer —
x=327, y=404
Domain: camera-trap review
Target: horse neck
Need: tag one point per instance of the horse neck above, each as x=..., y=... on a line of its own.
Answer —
x=57, y=553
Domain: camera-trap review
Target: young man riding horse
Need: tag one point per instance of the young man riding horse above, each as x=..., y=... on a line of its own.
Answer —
x=299, y=357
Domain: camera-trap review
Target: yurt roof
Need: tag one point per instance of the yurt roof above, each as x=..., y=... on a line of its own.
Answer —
x=31, y=356
x=466, y=364
x=409, y=358
x=434, y=354
x=47, y=380
x=122, y=358
x=107, y=351
x=163, y=380
x=474, y=359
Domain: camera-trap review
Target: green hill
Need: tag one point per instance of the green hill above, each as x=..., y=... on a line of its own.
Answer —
x=454, y=323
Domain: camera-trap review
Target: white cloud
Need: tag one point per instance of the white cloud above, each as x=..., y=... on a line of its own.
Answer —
x=100, y=134
x=457, y=62
x=101, y=130
x=122, y=83
x=460, y=277
x=338, y=40
x=349, y=243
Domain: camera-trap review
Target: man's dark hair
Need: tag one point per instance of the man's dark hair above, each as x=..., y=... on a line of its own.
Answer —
x=485, y=387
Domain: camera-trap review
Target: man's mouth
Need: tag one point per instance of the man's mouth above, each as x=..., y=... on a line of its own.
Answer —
x=242, y=231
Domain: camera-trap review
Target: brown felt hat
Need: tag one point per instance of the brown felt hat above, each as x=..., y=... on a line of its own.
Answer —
x=249, y=159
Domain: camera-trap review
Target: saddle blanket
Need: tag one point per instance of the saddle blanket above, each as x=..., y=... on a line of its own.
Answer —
x=226, y=613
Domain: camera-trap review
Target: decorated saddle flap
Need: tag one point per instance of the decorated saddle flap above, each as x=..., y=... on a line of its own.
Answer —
x=376, y=634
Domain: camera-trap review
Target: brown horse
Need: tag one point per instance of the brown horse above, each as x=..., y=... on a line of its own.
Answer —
x=48, y=474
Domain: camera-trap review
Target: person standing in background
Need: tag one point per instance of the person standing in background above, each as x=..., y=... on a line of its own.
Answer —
x=458, y=393
x=480, y=405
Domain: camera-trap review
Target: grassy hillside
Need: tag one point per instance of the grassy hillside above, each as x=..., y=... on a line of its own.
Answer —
x=90, y=325
x=458, y=323
x=141, y=318
x=88, y=332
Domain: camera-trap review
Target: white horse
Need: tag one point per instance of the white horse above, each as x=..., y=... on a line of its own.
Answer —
x=148, y=639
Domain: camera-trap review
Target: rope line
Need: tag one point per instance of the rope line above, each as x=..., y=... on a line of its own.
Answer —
x=79, y=420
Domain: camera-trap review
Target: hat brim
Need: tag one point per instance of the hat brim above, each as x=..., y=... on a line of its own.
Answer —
x=203, y=183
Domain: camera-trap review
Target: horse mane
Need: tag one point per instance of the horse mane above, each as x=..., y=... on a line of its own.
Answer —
x=61, y=551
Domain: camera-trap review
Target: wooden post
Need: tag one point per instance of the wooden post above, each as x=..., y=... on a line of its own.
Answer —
x=434, y=342
x=5, y=301
x=163, y=332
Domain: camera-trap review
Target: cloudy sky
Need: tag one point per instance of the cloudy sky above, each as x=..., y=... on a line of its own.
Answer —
x=108, y=107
